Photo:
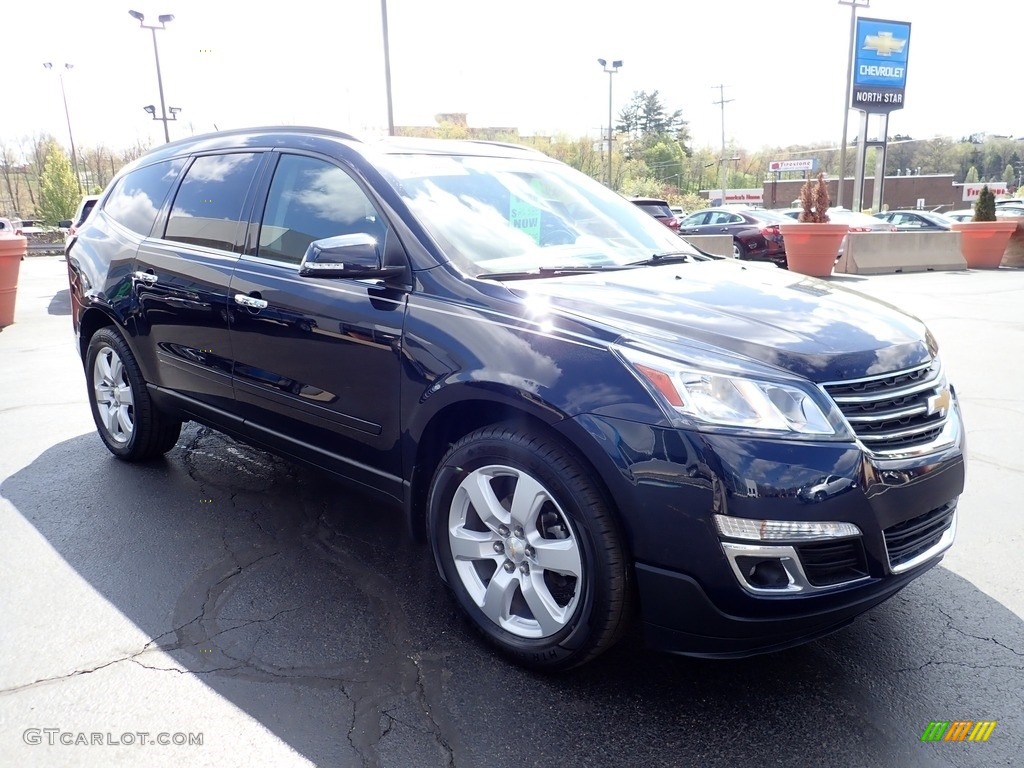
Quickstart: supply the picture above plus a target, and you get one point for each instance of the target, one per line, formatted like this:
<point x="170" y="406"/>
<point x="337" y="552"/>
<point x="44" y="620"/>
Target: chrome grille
<point x="895" y="411"/>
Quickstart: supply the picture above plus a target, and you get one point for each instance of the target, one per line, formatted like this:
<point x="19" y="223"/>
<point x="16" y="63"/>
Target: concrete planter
<point x="983" y="242"/>
<point x="811" y="249"/>
<point x="12" y="249"/>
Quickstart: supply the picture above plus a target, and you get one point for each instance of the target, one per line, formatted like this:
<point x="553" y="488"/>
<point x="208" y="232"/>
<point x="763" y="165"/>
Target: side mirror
<point x="352" y="256"/>
<point x="65" y="223"/>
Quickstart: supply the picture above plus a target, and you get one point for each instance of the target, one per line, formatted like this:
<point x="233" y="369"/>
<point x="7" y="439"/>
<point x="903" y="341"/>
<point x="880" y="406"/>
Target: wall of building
<point x="936" y="190"/>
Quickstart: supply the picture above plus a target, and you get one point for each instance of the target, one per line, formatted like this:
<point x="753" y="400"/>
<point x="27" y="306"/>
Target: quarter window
<point x="136" y="199"/>
<point x="311" y="199"/>
<point x="208" y="207"/>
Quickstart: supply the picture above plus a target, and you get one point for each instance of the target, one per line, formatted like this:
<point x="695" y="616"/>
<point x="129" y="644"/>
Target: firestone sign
<point x="971" y="191"/>
<point x="880" y="65"/>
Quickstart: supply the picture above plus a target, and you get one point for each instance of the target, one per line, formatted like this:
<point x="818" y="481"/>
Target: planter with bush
<point x="813" y="242"/>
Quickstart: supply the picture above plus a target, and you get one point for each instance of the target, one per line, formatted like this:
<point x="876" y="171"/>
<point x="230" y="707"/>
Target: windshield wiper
<point x="551" y="272"/>
<point x="668" y="257"/>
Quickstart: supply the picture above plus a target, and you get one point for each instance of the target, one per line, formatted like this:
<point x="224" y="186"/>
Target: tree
<point x="58" y="189"/>
<point x="1009" y="175"/>
<point x="972" y="175"/>
<point x="646" y="122"/>
<point x="985" y="208"/>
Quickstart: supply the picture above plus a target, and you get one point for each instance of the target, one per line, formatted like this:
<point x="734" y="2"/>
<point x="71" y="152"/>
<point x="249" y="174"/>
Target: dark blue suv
<point x="587" y="419"/>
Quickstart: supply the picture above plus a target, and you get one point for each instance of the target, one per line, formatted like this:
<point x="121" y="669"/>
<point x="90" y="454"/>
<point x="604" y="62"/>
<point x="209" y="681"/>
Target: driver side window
<point x="311" y="199"/>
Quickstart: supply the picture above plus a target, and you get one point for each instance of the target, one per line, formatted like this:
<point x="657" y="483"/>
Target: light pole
<point x="611" y="71"/>
<point x="163" y="19"/>
<point x="854" y="5"/>
<point x="387" y="65"/>
<point x="67" y="114"/>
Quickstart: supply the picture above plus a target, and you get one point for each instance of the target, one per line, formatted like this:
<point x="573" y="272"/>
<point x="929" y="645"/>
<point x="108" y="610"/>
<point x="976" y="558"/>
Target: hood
<point x="754" y="312"/>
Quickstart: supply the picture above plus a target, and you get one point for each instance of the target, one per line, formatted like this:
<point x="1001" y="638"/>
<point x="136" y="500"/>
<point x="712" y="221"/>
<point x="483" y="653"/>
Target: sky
<point x="528" y="64"/>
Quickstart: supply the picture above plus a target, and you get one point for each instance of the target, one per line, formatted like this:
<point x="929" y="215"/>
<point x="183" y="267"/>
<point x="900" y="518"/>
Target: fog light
<point x="781" y="530"/>
<point x="764" y="573"/>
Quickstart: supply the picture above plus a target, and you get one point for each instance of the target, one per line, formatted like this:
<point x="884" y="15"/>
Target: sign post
<point x="879" y="87"/>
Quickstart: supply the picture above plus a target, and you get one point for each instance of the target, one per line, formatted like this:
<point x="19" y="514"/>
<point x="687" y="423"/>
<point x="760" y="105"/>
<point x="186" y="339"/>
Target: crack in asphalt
<point x="151" y="646"/>
<point x="951" y="625"/>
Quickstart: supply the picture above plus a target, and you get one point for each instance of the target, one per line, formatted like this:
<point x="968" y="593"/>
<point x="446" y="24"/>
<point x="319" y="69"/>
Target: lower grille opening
<point x="833" y="562"/>
<point x="905" y="541"/>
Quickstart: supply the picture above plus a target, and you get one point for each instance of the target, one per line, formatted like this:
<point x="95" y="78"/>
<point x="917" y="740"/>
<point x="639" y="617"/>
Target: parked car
<point x="963" y="214"/>
<point x="916" y="221"/>
<point x="659" y="209"/>
<point x="1014" y="201"/>
<point x="678" y="212"/>
<point x="1009" y="211"/>
<point x="856" y="221"/>
<point x="582" y="415"/>
<point x="85" y="208"/>
<point x="755" y="231"/>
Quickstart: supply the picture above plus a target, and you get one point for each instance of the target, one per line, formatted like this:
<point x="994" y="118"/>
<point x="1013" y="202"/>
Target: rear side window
<point x="208" y="206"/>
<point x="656" y="209"/>
<point x="136" y="199"/>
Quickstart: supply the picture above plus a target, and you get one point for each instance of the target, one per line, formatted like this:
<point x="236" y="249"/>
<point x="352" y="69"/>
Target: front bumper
<point x="670" y="484"/>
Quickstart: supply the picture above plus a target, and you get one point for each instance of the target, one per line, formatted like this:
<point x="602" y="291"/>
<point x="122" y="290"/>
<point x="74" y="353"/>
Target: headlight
<point x="692" y="397"/>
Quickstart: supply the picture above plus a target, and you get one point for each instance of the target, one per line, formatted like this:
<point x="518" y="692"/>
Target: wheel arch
<point x="465" y="414"/>
<point x="92" y="320"/>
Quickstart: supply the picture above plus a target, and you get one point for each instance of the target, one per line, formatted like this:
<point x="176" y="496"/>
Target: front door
<point x="317" y="360"/>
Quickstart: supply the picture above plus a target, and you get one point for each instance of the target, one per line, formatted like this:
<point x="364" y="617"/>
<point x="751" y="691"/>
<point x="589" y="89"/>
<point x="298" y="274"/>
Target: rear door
<point x="317" y="360"/>
<point x="181" y="278"/>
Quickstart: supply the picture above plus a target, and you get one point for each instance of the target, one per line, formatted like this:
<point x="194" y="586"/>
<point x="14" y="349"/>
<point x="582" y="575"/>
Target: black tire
<point x="737" y="249"/>
<point x="137" y="430"/>
<point x="584" y="614"/>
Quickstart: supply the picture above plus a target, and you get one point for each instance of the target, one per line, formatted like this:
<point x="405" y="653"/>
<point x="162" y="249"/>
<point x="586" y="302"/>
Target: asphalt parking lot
<point x="227" y="597"/>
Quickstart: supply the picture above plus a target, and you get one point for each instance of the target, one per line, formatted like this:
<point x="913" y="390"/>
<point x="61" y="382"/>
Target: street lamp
<point x="611" y="71"/>
<point x="163" y="19"/>
<point x="854" y="5"/>
<point x="74" y="156"/>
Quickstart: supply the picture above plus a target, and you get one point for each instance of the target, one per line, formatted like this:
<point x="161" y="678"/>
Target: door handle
<point x="146" y="277"/>
<point x="250" y="301"/>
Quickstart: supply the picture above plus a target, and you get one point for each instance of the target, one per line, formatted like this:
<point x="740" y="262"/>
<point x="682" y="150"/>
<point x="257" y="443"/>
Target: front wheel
<point x="529" y="548"/>
<point x="127" y="420"/>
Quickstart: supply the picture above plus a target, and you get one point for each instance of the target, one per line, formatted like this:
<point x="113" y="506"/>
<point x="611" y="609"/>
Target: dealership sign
<point x="780" y="166"/>
<point x="880" y="65"/>
<point x="971" y="191"/>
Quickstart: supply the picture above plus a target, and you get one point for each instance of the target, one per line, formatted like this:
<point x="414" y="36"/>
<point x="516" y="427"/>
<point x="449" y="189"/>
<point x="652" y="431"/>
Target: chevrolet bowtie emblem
<point x="939" y="403"/>
<point x="884" y="44"/>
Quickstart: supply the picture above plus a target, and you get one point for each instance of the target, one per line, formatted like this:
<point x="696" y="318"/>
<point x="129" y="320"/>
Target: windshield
<point x="493" y="214"/>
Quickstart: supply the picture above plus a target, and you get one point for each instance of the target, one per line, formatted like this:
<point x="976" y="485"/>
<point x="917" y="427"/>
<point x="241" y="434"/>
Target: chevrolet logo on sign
<point x="939" y="402"/>
<point x="884" y="44"/>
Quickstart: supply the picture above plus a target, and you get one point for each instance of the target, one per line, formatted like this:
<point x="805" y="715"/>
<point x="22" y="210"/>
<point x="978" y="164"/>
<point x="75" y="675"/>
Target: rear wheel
<point x="127" y="420"/>
<point x="529" y="548"/>
<point x="736" y="249"/>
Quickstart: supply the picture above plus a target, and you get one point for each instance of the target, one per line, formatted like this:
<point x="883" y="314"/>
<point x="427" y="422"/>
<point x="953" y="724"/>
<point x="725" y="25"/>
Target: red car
<point x="659" y="209"/>
<point x="755" y="231"/>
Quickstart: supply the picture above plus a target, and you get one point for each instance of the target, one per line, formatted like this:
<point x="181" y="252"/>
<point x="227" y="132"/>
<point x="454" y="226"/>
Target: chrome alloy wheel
<point x="115" y="401"/>
<point x="515" y="551"/>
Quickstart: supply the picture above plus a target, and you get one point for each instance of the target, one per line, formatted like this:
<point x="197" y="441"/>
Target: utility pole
<point x="721" y="162"/>
<point x="854" y="5"/>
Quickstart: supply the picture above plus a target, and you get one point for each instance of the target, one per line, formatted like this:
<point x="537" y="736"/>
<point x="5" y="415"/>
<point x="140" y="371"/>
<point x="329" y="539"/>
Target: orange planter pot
<point x="983" y="243"/>
<point x="11" y="250"/>
<point x="811" y="249"/>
